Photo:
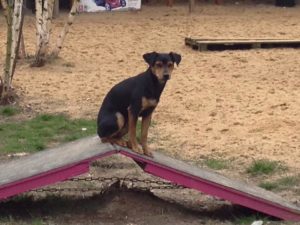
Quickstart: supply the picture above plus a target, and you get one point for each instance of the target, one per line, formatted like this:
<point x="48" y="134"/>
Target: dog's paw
<point x="122" y="143"/>
<point x="137" y="149"/>
<point x="148" y="153"/>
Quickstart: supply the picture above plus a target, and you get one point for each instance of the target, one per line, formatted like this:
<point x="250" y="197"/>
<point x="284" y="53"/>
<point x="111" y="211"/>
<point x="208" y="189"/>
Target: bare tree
<point x="44" y="14"/>
<point x="13" y="12"/>
<point x="44" y="10"/>
<point x="66" y="28"/>
<point x="22" y="51"/>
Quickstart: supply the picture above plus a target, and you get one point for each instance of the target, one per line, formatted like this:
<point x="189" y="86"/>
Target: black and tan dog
<point x="133" y="98"/>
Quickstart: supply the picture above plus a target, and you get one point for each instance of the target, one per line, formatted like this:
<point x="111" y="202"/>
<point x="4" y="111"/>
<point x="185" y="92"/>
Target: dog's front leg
<point x="132" y="120"/>
<point x="144" y="137"/>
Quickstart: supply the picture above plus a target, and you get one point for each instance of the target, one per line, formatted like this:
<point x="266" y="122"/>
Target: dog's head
<point x="162" y="64"/>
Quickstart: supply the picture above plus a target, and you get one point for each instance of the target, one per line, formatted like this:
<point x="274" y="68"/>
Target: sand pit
<point x="237" y="105"/>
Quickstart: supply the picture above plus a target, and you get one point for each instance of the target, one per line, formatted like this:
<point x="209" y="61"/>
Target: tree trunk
<point x="65" y="29"/>
<point x="44" y="10"/>
<point x="6" y="78"/>
<point x="14" y="18"/>
<point x="191" y="6"/>
<point x="4" y="4"/>
<point x="56" y="9"/>
<point x="18" y="18"/>
<point x="22" y="51"/>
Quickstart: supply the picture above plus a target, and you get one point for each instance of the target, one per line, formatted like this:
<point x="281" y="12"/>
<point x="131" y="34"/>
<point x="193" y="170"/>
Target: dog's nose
<point x="166" y="76"/>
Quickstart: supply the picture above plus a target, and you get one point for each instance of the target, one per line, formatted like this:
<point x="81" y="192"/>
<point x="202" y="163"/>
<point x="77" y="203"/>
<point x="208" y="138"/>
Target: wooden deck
<point x="239" y="44"/>
<point x="69" y="160"/>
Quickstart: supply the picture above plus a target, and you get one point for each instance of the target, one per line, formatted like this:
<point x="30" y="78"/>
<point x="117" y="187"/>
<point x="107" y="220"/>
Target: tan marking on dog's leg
<point x="119" y="136"/>
<point x="120" y="120"/>
<point x="104" y="140"/>
<point x="123" y="131"/>
<point x="144" y="137"/>
<point x="132" y="120"/>
<point x="116" y="138"/>
<point x="146" y="103"/>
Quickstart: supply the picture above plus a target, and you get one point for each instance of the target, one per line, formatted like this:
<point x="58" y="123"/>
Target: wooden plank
<point x="232" y="44"/>
<point x="218" y="185"/>
<point x="248" y="41"/>
<point x="44" y="161"/>
<point x="252" y="40"/>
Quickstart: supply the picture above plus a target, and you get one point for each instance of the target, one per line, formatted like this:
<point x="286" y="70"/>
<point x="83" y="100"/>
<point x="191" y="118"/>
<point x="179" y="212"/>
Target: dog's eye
<point x="170" y="65"/>
<point x="159" y="65"/>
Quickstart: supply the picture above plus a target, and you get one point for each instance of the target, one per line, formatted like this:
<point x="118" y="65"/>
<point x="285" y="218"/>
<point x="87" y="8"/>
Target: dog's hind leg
<point x="111" y="129"/>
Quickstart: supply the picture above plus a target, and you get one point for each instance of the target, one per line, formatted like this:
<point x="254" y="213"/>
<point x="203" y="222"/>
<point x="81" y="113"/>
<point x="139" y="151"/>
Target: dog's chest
<point x="148" y="103"/>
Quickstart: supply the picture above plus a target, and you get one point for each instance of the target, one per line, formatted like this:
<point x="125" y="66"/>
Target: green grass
<point x="282" y="183"/>
<point x="268" y="185"/>
<point x="37" y="222"/>
<point x="264" y="166"/>
<point x="248" y="220"/>
<point x="8" y="111"/>
<point x="11" y="221"/>
<point x="38" y="133"/>
<point x="216" y="164"/>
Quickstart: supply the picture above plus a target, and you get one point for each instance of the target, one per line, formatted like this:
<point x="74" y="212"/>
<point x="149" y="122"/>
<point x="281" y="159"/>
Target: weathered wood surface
<point x="224" y="44"/>
<point x="215" y="178"/>
<point x="44" y="161"/>
<point x="243" y="41"/>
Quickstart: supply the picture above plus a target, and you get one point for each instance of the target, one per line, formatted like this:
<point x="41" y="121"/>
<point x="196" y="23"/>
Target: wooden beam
<point x="229" y="44"/>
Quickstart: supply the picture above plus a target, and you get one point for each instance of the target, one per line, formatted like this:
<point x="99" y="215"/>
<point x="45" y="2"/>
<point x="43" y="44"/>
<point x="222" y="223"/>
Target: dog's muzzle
<point x="166" y="77"/>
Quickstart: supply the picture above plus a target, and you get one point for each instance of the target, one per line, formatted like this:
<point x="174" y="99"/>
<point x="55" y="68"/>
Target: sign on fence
<point x="108" y="5"/>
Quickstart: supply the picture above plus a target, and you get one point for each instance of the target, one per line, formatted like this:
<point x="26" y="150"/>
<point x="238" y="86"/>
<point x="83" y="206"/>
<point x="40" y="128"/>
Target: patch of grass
<point x="264" y="166"/>
<point x="247" y="220"/>
<point x="7" y="220"/>
<point x="268" y="185"/>
<point x="282" y="183"/>
<point x="289" y="181"/>
<point x="37" y="222"/>
<point x="38" y="133"/>
<point x="216" y="164"/>
<point x="8" y="111"/>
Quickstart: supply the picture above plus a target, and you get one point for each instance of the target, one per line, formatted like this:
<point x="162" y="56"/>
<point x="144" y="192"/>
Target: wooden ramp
<point x="239" y="44"/>
<point x="72" y="159"/>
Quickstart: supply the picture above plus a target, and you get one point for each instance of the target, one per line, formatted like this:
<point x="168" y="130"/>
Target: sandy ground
<point x="235" y="105"/>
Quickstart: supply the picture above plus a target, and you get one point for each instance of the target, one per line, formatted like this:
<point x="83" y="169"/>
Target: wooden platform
<point x="72" y="159"/>
<point x="239" y="44"/>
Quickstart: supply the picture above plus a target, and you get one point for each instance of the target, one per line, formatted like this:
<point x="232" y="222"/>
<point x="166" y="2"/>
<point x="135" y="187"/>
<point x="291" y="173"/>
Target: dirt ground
<point x="235" y="105"/>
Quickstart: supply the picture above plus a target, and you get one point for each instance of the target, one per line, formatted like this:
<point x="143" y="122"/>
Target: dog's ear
<point x="176" y="58"/>
<point x="150" y="58"/>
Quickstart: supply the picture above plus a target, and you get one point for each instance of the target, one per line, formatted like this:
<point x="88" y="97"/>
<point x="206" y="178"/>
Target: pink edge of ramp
<point x="43" y="179"/>
<point x="233" y="196"/>
<point x="49" y="177"/>
<point x="214" y="189"/>
<point x="160" y="169"/>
